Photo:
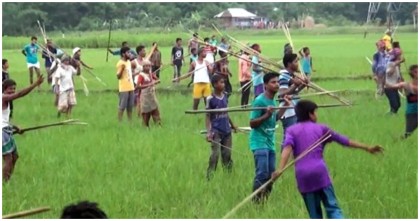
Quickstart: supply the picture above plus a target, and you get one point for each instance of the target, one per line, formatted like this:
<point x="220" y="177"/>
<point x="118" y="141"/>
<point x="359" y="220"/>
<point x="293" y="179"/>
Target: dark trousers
<point x="228" y="86"/>
<point x="394" y="100"/>
<point x="221" y="143"/>
<point x="177" y="70"/>
<point x="265" y="165"/>
<point x="411" y="123"/>
<point x="245" y="93"/>
<point x="154" y="68"/>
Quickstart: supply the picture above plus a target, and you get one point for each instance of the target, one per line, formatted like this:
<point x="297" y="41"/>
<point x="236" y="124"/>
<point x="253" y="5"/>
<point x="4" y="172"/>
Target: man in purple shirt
<point x="313" y="180"/>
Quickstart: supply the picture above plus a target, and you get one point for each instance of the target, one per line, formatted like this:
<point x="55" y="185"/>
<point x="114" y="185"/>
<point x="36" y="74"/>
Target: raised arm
<point x="23" y="92"/>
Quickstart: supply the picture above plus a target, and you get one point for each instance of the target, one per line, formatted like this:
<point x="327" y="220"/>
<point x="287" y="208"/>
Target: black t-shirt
<point x="4" y="76"/>
<point x="177" y="54"/>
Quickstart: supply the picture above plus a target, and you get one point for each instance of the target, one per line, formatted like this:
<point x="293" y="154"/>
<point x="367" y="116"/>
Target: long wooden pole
<point x="109" y="39"/>
<point x="221" y="110"/>
<point x="63" y="123"/>
<point x="26" y="213"/>
<point x="325" y="137"/>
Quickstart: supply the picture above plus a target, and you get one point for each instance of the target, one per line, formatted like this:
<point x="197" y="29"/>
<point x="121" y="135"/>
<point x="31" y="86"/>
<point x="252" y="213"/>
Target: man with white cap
<point x="76" y="60"/>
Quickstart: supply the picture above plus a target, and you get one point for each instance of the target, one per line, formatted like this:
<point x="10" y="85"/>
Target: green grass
<point x="135" y="173"/>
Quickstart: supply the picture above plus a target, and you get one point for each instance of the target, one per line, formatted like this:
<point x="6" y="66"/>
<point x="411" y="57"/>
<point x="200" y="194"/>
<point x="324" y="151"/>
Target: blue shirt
<point x="257" y="76"/>
<point x="379" y="64"/>
<point x="31" y="50"/>
<point x="263" y="137"/>
<point x="306" y="65"/>
<point x="219" y="121"/>
<point x="412" y="104"/>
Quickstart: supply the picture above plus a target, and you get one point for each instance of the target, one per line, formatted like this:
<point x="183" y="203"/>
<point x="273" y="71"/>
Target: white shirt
<point x="55" y="63"/>
<point x="209" y="58"/>
<point x="5" y="116"/>
<point x="201" y="74"/>
<point x="65" y="74"/>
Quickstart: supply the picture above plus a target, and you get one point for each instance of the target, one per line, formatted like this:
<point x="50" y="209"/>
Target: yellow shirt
<point x="125" y="83"/>
<point x="387" y="40"/>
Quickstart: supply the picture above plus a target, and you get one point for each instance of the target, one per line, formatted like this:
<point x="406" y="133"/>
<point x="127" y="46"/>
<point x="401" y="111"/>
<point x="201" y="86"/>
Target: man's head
<point x="124" y="44"/>
<point x="206" y="39"/>
<point x="195" y="35"/>
<point x="218" y="82"/>
<point x="396" y="44"/>
<point x="49" y="42"/>
<point x="305" y="110"/>
<point x="213" y="37"/>
<point x="77" y="51"/>
<point x="147" y="65"/>
<point x="222" y="54"/>
<point x="413" y="71"/>
<point x="380" y="45"/>
<point x="201" y="53"/>
<point x="178" y="42"/>
<point x="271" y="82"/>
<point x="306" y="50"/>
<point x="256" y="47"/>
<point x="290" y="62"/>
<point x="193" y="51"/>
<point x="65" y="59"/>
<point x="155" y="43"/>
<point x="125" y="52"/>
<point x="5" y="64"/>
<point x="223" y="40"/>
<point x="388" y="32"/>
<point x="287" y="49"/>
<point x="83" y="210"/>
<point x="141" y="51"/>
<point x="9" y="86"/>
<point x="34" y="40"/>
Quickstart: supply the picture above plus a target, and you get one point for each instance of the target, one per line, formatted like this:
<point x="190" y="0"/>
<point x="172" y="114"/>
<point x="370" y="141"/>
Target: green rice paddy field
<point x="133" y="172"/>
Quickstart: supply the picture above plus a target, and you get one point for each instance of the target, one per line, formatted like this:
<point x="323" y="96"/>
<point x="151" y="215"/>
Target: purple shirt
<point x="311" y="171"/>
<point x="219" y="121"/>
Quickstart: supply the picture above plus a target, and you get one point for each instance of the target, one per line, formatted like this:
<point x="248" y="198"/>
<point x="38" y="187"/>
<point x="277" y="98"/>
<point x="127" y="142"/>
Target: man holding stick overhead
<point x="9" y="148"/>
<point x="261" y="139"/>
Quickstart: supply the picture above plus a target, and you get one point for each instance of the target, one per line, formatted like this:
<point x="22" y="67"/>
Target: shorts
<point x="126" y="100"/>
<point x="201" y="90"/>
<point x="66" y="99"/>
<point x="9" y="145"/>
<point x="30" y="65"/>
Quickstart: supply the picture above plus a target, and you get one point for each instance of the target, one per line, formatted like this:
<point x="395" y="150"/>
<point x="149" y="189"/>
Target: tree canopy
<point x="21" y="18"/>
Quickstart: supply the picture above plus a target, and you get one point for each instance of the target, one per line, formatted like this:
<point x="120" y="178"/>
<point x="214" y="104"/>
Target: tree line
<point x="21" y="18"/>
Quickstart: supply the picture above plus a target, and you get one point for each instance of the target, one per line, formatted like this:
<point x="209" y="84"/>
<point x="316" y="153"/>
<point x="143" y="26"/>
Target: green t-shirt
<point x="263" y="136"/>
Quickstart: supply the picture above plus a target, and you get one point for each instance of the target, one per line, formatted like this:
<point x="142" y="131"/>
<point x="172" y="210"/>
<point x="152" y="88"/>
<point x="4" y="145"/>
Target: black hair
<point x="195" y="34"/>
<point x="303" y="108"/>
<point x="267" y="77"/>
<point x="178" y="39"/>
<point x="33" y="37"/>
<point x="288" y="58"/>
<point x="193" y="49"/>
<point x="396" y="44"/>
<point x="3" y="61"/>
<point x="139" y="48"/>
<point x="254" y="46"/>
<point x="200" y="50"/>
<point x="153" y="44"/>
<point x="216" y="78"/>
<point x="124" y="50"/>
<point x="305" y="49"/>
<point x="7" y="83"/>
<point x="412" y="68"/>
<point x="206" y="39"/>
<point x="83" y="210"/>
<point x="123" y="43"/>
<point x="221" y="53"/>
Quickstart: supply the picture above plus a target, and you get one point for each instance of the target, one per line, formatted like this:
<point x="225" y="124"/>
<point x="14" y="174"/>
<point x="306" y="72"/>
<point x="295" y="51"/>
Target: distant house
<point x="236" y="17"/>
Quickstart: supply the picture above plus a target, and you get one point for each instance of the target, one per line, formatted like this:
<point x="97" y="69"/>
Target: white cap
<point x="75" y="50"/>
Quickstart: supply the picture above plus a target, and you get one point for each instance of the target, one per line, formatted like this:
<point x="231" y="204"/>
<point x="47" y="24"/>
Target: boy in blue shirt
<point x="30" y="51"/>
<point x="261" y="139"/>
<point x="306" y="63"/>
<point x="219" y="127"/>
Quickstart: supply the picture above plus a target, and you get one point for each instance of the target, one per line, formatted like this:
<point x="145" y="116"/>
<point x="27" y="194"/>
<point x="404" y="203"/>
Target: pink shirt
<point x="244" y="68"/>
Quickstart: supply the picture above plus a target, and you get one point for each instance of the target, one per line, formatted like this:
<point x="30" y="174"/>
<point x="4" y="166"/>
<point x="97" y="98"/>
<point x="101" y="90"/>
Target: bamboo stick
<point x="26" y="213"/>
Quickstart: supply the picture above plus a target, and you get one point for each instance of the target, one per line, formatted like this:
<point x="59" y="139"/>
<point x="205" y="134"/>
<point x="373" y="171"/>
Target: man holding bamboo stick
<point x="289" y="85"/>
<point x="9" y="148"/>
<point x="313" y="180"/>
<point x="257" y="72"/>
<point x="262" y="139"/>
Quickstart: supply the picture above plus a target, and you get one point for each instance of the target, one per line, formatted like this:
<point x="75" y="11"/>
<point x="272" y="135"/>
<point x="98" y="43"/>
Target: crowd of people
<point x="138" y="73"/>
